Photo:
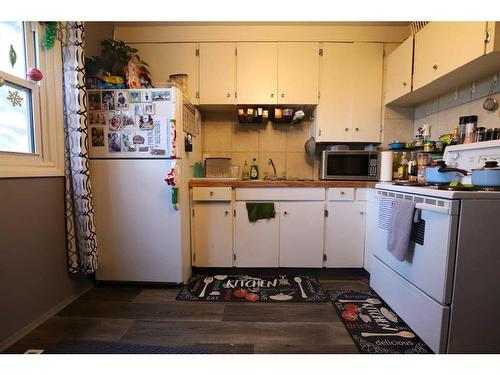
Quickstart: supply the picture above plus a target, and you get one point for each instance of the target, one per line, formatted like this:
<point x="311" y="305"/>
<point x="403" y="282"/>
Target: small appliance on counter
<point x="350" y="165"/>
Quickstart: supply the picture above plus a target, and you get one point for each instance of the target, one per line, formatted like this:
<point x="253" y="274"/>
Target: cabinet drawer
<point x="341" y="194"/>
<point x="211" y="194"/>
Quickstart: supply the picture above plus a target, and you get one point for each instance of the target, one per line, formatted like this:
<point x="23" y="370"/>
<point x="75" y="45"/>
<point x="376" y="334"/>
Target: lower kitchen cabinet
<point x="256" y="244"/>
<point x="345" y="234"/>
<point x="301" y="234"/>
<point x="212" y="234"/>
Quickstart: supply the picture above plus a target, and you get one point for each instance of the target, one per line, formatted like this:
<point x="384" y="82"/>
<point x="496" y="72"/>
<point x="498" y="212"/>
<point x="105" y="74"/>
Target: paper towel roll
<point x="386" y="165"/>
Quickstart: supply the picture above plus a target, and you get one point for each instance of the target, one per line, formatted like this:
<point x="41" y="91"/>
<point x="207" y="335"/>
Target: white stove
<point x="447" y="280"/>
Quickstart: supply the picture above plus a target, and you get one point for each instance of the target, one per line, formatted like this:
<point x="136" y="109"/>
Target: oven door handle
<point x="430" y="207"/>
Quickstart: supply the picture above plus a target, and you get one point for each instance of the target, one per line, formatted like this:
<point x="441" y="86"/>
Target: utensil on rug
<point x="298" y="280"/>
<point x="207" y="281"/>
<point x="388" y="314"/>
<point x="281" y="297"/>
<point x="405" y="334"/>
<point x="365" y="318"/>
<point x="373" y="301"/>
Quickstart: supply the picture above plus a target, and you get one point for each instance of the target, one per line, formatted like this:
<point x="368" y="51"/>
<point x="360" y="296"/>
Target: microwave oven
<point x="350" y="165"/>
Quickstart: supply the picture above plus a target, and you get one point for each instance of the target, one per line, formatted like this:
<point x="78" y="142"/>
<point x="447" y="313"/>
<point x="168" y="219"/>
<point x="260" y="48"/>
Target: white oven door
<point x="431" y="253"/>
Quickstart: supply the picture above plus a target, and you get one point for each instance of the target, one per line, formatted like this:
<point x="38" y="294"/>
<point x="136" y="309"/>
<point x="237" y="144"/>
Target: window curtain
<point x="80" y="224"/>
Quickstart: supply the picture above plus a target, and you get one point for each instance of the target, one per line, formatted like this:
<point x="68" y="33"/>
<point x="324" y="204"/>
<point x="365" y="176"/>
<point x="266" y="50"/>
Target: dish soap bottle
<point x="245" y="174"/>
<point x="254" y="170"/>
<point x="403" y="168"/>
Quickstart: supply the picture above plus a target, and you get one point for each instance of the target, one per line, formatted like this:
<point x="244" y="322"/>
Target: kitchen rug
<point x="245" y="288"/>
<point x="373" y="326"/>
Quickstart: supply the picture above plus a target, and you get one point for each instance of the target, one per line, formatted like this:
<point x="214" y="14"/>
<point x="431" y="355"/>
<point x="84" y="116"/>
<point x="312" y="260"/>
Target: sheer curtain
<point x="80" y="224"/>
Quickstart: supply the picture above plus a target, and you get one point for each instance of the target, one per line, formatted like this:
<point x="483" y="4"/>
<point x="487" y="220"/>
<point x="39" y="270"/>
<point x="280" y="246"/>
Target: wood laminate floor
<point x="152" y="316"/>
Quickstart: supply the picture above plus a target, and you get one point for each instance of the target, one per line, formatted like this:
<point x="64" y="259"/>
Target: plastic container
<point x="180" y="80"/>
<point x="470" y="129"/>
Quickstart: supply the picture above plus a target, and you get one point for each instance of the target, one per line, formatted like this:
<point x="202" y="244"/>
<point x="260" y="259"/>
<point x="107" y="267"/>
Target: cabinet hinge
<point x="197" y="52"/>
<point x="236" y="52"/>
<point x="236" y="94"/>
<point x="321" y="51"/>
<point x="234" y="213"/>
<point x="234" y="256"/>
<point x="197" y="95"/>
<point x="193" y="212"/>
<point x="194" y="257"/>
<point x="326" y="213"/>
<point x="325" y="257"/>
<point x="487" y="36"/>
<point x="319" y="94"/>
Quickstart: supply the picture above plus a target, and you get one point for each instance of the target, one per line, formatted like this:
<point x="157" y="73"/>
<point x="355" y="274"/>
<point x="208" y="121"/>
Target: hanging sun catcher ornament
<point x="12" y="55"/>
<point x="15" y="98"/>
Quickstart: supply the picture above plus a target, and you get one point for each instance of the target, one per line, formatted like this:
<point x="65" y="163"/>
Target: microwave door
<point x="347" y="166"/>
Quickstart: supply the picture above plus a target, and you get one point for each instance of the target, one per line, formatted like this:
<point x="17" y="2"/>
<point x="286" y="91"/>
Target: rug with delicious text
<point x="373" y="326"/>
<point x="246" y="288"/>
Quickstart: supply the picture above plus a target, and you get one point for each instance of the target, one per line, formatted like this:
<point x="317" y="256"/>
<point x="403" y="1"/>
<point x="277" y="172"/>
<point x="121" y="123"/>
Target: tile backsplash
<point x="443" y="112"/>
<point x="224" y="136"/>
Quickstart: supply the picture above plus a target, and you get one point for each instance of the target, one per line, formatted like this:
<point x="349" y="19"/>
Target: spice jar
<point x="461" y="129"/>
<point x="429" y="146"/>
<point x="480" y="134"/>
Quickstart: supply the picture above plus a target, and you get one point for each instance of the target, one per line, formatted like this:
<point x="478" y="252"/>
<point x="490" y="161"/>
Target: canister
<point x="470" y="129"/>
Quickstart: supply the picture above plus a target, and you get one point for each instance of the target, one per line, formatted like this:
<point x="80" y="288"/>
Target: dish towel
<point x="400" y="227"/>
<point x="258" y="211"/>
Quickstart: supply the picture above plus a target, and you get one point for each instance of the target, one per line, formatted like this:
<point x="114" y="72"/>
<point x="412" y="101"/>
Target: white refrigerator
<point x="136" y="144"/>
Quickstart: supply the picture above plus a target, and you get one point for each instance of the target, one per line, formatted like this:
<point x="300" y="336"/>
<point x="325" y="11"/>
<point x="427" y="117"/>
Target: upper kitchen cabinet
<point x="217" y="73"/>
<point x="441" y="47"/>
<point x="398" y="75"/>
<point x="257" y="73"/>
<point x="298" y="72"/>
<point x="350" y="103"/>
<point x="165" y="59"/>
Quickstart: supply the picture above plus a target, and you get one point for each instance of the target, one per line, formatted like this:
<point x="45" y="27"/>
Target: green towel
<point x="257" y="211"/>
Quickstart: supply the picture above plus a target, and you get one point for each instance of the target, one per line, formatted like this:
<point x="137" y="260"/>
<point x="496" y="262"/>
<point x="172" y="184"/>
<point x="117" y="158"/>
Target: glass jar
<point x="429" y="146"/>
<point x="480" y="134"/>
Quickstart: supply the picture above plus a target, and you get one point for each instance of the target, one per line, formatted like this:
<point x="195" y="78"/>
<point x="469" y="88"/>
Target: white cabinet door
<point x="301" y="234"/>
<point x="441" y="47"/>
<point x="368" y="61"/>
<point x="256" y="244"/>
<point x="334" y="112"/>
<point x="398" y="74"/>
<point x="165" y="59"/>
<point x="257" y="73"/>
<point x="217" y="73"/>
<point x="298" y="72"/>
<point x="345" y="234"/>
<point x="213" y="234"/>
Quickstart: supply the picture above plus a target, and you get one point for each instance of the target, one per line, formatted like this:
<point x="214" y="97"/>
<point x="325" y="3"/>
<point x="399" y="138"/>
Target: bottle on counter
<point x="245" y="174"/>
<point x="413" y="167"/>
<point x="403" y="168"/>
<point x="454" y="136"/>
<point x="395" y="165"/>
<point x="254" y="170"/>
<point x="461" y="129"/>
<point x="470" y="129"/>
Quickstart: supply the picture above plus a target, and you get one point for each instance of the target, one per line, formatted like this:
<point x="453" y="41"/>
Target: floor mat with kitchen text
<point x="373" y="326"/>
<point x="246" y="288"/>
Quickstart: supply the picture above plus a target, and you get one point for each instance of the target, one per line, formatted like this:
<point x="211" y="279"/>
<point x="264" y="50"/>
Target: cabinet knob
<point x="285" y="212"/>
<point x="404" y="84"/>
<point x="272" y="95"/>
<point x="226" y="213"/>
<point x="346" y="129"/>
<point x="361" y="213"/>
<point x="282" y="95"/>
<point x="228" y="95"/>
<point x="342" y="193"/>
<point x="357" y="129"/>
<point x="435" y="67"/>
<point x="211" y="193"/>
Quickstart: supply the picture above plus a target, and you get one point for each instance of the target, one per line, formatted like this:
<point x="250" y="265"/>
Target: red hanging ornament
<point x="34" y="74"/>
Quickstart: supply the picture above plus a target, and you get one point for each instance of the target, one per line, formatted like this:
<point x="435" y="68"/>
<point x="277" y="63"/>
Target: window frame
<point x="47" y="112"/>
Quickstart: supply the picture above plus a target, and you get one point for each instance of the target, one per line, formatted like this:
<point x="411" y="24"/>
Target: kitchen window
<point x="31" y="122"/>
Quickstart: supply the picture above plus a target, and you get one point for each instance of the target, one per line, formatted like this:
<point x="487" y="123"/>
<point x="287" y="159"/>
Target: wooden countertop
<point x="260" y="183"/>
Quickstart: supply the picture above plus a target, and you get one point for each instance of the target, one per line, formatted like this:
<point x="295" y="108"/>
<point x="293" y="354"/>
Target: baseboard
<point x="9" y="341"/>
